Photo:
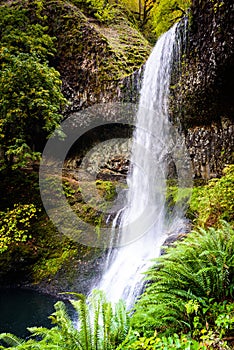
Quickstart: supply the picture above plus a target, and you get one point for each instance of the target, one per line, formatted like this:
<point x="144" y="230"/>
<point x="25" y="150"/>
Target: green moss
<point x="48" y="267"/>
<point x="55" y="252"/>
<point x="128" y="48"/>
<point x="106" y="189"/>
<point x="86" y="42"/>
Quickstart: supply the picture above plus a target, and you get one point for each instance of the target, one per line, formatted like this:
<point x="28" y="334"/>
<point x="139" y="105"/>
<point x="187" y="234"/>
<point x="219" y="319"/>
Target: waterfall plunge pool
<point x="21" y="308"/>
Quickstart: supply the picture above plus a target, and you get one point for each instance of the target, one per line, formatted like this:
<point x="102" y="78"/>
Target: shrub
<point x="106" y="189"/>
<point x="182" y="342"/>
<point x="31" y="99"/>
<point x="100" y="9"/>
<point x="16" y="224"/>
<point x="215" y="200"/>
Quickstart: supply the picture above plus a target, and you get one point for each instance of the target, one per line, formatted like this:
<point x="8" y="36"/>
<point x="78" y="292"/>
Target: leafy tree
<point x="166" y="12"/>
<point x="140" y="8"/>
<point x="102" y="10"/>
<point x="156" y="16"/>
<point x="30" y="90"/>
<point x="148" y="15"/>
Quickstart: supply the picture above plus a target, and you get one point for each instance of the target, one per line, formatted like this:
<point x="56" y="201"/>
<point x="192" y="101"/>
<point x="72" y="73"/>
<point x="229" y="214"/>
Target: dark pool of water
<point x="20" y="309"/>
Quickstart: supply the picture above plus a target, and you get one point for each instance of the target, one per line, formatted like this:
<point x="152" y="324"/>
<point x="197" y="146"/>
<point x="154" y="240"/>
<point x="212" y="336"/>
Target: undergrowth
<point x="214" y="201"/>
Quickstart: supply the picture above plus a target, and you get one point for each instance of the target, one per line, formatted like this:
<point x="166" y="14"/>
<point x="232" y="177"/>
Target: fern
<point x="101" y="326"/>
<point x="201" y="267"/>
<point x="84" y="321"/>
<point x="96" y="306"/>
<point x="106" y="315"/>
<point x="10" y="339"/>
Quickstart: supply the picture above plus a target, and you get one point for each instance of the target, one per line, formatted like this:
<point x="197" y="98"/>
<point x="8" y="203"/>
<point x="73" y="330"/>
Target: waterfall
<point x="143" y="226"/>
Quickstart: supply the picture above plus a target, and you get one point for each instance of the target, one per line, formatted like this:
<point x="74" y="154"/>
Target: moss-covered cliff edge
<point x="92" y="56"/>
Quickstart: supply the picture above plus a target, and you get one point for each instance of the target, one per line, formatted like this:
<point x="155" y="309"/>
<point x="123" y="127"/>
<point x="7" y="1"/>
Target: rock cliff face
<point x="204" y="96"/>
<point x="92" y="57"/>
<point x="97" y="62"/>
<point x="100" y="62"/>
<point x="210" y="148"/>
<point x="207" y="81"/>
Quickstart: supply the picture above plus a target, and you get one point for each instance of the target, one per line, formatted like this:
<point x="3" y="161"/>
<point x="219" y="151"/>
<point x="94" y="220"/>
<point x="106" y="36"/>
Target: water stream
<point x="143" y="226"/>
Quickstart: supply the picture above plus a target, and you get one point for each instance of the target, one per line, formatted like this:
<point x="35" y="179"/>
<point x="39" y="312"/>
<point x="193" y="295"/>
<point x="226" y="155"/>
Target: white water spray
<point x="143" y="220"/>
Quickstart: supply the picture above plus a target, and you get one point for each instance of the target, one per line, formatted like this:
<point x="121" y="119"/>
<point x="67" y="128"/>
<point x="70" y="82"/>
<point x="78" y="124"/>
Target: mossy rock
<point x="92" y="57"/>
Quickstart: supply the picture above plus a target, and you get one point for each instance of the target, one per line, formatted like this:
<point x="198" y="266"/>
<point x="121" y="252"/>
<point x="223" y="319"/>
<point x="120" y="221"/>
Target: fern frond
<point x="11" y="339"/>
<point x="84" y="328"/>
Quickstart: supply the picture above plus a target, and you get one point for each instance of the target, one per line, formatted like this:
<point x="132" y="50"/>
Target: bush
<point x="16" y="224"/>
<point x="182" y="342"/>
<point x="214" y="201"/>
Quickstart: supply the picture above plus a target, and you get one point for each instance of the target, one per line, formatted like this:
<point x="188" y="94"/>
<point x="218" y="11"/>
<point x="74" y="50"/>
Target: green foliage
<point x="182" y="342"/>
<point x="68" y="190"/>
<point x="141" y="10"/>
<point x="148" y="15"/>
<point x="10" y="339"/>
<point x="215" y="200"/>
<point x="53" y="190"/>
<point x="166" y="12"/>
<point x="16" y="225"/>
<point x="199" y="268"/>
<point x="178" y="197"/>
<point x="225" y="317"/>
<point x="106" y="189"/>
<point x="100" y="9"/>
<point x="31" y="98"/>
<point x="207" y="317"/>
<point x="101" y="327"/>
<point x="49" y="266"/>
<point x="19" y="35"/>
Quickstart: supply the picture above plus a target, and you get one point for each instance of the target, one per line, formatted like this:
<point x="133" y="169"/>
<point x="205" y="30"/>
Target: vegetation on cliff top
<point x="151" y="17"/>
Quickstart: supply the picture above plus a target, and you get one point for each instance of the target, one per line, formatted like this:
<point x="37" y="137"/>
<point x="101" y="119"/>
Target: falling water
<point x="143" y="227"/>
